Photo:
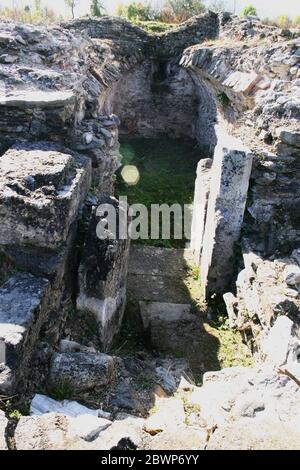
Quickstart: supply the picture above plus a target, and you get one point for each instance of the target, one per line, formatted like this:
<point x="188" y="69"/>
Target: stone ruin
<point x="65" y="94"/>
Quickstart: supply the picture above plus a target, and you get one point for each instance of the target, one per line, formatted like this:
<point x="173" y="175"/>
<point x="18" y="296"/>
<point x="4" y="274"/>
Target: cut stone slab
<point x="41" y="192"/>
<point x="153" y="261"/>
<point x="202" y="190"/>
<point x="230" y="176"/>
<point x="82" y="371"/>
<point x="38" y="98"/>
<point x="161" y="289"/>
<point x="3" y="425"/>
<point x="154" y="312"/>
<point x="157" y="275"/>
<point x="24" y="305"/>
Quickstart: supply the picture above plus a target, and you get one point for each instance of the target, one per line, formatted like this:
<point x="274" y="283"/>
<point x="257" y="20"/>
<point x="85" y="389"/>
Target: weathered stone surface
<point x="82" y="371"/>
<point x="282" y="344"/>
<point x="264" y="293"/>
<point x="180" y="438"/>
<point x="42" y="99"/>
<point x="24" y="306"/>
<point x="102" y="277"/>
<point x="155" y="274"/>
<point x="46" y="432"/>
<point x="125" y="433"/>
<point x="3" y="424"/>
<point x="169" y="416"/>
<point x="291" y="275"/>
<point x="230" y="175"/>
<point x="41" y="192"/>
<point x="155" y="261"/>
<point x="146" y="98"/>
<point x="288" y="137"/>
<point x="260" y="435"/>
<point x="247" y="396"/>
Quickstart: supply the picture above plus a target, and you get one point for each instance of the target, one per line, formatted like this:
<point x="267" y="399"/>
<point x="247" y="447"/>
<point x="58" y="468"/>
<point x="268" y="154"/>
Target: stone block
<point x="41" y="192"/>
<point x="82" y="371"/>
<point x="24" y="305"/>
<point x="288" y="137"/>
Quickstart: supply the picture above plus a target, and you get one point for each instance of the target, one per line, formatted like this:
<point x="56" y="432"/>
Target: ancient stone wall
<point x="257" y="90"/>
<point x="155" y="99"/>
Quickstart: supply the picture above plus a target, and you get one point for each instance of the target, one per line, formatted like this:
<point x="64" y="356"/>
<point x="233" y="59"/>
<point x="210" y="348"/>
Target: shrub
<point x="28" y="15"/>
<point x="249" y="10"/>
<point x="296" y="21"/>
<point x="283" y="21"/>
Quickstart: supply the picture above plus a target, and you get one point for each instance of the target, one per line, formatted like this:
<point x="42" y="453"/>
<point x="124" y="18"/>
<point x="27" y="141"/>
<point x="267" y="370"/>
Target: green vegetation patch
<point x="167" y="170"/>
<point x="154" y="27"/>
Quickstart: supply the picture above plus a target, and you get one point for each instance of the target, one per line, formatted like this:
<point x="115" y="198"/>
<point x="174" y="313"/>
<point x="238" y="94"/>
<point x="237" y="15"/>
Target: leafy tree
<point x="72" y="4"/>
<point x="97" y="8"/>
<point x="217" y="5"/>
<point x="139" y="11"/>
<point x="249" y="10"/>
<point x="185" y="9"/>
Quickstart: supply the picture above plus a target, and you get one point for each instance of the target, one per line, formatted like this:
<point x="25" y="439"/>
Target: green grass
<point x="62" y="390"/>
<point x="167" y="170"/>
<point x="154" y="27"/>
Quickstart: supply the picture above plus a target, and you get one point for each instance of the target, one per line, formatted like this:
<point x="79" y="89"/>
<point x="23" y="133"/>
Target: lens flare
<point x="130" y="175"/>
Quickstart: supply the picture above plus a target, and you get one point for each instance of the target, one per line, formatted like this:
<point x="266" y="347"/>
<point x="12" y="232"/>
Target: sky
<point x="270" y="8"/>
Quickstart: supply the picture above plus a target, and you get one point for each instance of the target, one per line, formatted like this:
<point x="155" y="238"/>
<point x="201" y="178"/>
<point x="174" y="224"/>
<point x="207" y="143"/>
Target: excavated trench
<point x="166" y="117"/>
<point x="167" y="126"/>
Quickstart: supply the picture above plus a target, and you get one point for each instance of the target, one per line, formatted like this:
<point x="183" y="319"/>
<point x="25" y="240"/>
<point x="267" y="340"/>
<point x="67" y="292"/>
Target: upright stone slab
<point x="103" y="277"/>
<point x="227" y="201"/>
<point x="25" y="302"/>
<point x="202" y="189"/>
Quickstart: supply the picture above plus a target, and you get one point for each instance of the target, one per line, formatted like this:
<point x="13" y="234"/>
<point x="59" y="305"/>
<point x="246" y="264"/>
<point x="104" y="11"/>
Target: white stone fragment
<point x="42" y="404"/>
<point x="291" y="274"/>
